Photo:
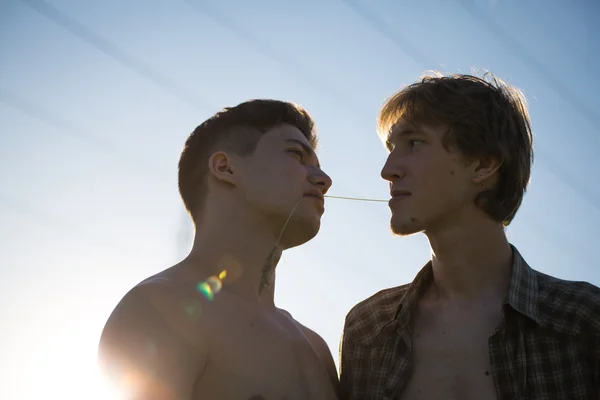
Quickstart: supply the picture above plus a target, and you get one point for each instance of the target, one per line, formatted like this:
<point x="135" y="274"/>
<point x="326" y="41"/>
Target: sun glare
<point x="68" y="380"/>
<point x="61" y="363"/>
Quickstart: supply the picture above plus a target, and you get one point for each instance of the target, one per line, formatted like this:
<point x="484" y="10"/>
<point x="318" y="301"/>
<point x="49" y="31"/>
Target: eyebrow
<point x="397" y="133"/>
<point x="306" y="148"/>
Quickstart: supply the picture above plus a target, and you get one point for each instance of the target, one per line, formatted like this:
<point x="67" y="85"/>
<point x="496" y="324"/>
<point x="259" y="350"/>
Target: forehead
<point x="284" y="133"/>
<point x="403" y="128"/>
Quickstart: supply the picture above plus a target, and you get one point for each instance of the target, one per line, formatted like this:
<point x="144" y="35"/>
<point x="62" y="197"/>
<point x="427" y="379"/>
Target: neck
<point x="471" y="261"/>
<point x="234" y="242"/>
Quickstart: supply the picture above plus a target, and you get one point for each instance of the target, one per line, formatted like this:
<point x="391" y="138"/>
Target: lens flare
<point x="230" y="267"/>
<point x="212" y="285"/>
<point x="192" y="310"/>
<point x="215" y="284"/>
<point x="205" y="289"/>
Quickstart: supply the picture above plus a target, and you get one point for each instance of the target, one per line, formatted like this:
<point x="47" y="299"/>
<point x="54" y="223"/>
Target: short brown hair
<point x="236" y="129"/>
<point x="485" y="117"/>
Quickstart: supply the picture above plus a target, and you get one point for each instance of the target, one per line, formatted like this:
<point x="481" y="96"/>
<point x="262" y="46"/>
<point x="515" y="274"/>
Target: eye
<point x="297" y="152"/>
<point x="414" y="142"/>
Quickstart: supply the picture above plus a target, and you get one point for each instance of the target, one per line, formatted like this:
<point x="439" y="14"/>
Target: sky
<point x="98" y="97"/>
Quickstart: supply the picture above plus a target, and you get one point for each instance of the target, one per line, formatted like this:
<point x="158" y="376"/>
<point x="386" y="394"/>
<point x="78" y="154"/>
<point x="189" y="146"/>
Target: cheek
<point x="293" y="170"/>
<point x="263" y="179"/>
<point x="443" y="181"/>
<point x="277" y="168"/>
<point x="286" y="176"/>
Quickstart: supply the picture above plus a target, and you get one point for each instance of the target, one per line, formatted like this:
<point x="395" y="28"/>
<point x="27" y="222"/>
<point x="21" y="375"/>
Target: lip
<point x="398" y="195"/>
<point x="318" y="197"/>
<point x="396" y="199"/>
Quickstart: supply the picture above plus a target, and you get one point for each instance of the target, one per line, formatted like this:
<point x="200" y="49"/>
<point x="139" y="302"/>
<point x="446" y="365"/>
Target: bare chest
<point x="254" y="356"/>
<point x="451" y="357"/>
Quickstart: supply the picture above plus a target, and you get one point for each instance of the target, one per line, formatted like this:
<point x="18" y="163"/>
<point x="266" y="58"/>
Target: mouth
<point x="317" y="197"/>
<point x="399" y="195"/>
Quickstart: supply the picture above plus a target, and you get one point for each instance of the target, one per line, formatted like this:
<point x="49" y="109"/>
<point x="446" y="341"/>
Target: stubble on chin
<point x="406" y="227"/>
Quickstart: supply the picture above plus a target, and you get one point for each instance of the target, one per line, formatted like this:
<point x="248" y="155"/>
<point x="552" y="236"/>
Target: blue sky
<point x="97" y="98"/>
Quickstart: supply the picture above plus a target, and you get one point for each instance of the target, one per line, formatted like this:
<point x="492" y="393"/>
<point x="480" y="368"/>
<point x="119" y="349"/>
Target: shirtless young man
<point x="477" y="322"/>
<point x="207" y="328"/>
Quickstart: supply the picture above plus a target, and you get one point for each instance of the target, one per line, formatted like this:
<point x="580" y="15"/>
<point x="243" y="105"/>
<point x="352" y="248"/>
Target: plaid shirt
<point x="547" y="347"/>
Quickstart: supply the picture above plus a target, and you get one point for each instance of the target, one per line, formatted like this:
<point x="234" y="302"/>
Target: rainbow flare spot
<point x="212" y="285"/>
<point x="215" y="284"/>
<point x="204" y="288"/>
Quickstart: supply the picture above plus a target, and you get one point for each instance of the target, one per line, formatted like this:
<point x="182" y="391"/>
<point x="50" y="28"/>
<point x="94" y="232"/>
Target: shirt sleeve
<point x="345" y="362"/>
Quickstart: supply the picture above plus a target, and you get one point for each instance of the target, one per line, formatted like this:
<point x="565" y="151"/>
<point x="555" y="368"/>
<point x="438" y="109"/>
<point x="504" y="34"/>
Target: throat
<point x="476" y="280"/>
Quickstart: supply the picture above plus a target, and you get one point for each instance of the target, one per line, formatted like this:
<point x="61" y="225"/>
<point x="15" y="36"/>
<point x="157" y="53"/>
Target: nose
<point x="321" y="180"/>
<point x="392" y="170"/>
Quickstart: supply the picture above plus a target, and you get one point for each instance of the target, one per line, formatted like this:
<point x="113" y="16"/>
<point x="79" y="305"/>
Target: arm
<point x="149" y="348"/>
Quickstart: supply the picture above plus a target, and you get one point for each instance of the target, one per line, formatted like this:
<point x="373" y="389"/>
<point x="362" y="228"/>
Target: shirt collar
<point x="522" y="293"/>
<point x="523" y="289"/>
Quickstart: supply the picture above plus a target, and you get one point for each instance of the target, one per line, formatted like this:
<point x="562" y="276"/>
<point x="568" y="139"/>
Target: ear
<point x="220" y="165"/>
<point x="485" y="169"/>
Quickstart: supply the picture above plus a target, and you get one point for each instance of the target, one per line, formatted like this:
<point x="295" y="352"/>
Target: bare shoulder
<point x="153" y="344"/>
<point x="321" y="348"/>
<point x="313" y="337"/>
<point x="317" y="342"/>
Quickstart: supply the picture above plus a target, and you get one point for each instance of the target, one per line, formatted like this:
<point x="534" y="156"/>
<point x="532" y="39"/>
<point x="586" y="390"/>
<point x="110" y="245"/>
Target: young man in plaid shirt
<point x="476" y="322"/>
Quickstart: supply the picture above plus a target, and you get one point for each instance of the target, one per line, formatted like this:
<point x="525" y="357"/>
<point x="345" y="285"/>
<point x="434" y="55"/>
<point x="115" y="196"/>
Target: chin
<point x="299" y="231"/>
<point x="404" y="231"/>
<point x="404" y="227"/>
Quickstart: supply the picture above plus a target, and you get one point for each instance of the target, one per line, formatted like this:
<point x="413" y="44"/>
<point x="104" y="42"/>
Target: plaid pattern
<point x="547" y="347"/>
